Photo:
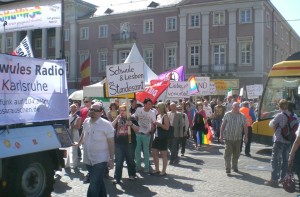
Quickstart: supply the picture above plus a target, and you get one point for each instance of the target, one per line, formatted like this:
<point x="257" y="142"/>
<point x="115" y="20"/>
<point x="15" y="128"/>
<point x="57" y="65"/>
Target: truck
<point x="283" y="83"/>
<point x="33" y="124"/>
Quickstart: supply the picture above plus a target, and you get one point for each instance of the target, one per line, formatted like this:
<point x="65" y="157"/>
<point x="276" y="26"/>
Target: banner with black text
<point x="32" y="90"/>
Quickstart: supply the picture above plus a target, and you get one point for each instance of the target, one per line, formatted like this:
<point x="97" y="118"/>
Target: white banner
<point x="125" y="78"/>
<point x="212" y="89"/>
<point x="178" y="89"/>
<point x="203" y="86"/>
<point x="24" y="49"/>
<point x="28" y="15"/>
<point x="32" y="90"/>
<point x="254" y="91"/>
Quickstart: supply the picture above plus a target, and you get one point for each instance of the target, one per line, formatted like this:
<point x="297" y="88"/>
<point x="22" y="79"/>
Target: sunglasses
<point x="87" y="101"/>
<point x="95" y="110"/>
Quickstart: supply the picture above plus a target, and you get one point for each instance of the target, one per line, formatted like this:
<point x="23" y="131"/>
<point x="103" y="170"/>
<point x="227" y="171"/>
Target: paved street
<point x="199" y="173"/>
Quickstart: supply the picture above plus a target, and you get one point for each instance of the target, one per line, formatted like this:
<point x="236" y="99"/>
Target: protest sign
<point x="254" y="91"/>
<point x="203" y="85"/>
<point x="125" y="78"/>
<point x="178" y="89"/>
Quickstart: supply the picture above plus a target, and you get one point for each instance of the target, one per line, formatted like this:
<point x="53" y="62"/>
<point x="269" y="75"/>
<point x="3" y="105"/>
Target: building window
<point x="83" y="57"/>
<point x="171" y="24"/>
<point x="148" y="57"/>
<point x="194" y="55"/>
<point x="67" y="58"/>
<point x="67" y="34"/>
<point x="9" y="42"/>
<point x="268" y="20"/>
<point x="287" y="38"/>
<point x="281" y="32"/>
<point x="52" y="42"/>
<point x="170" y="57"/>
<point x="219" y="18"/>
<point x="102" y="61"/>
<point x="195" y="20"/>
<point x="275" y="54"/>
<point x="84" y="33"/>
<point x="246" y="16"/>
<point x="275" y="27"/>
<point x="103" y="31"/>
<point x="38" y="43"/>
<point x="268" y="56"/>
<point x="148" y="26"/>
<point x="219" y="52"/>
<point x="123" y="55"/>
<point x="245" y="53"/>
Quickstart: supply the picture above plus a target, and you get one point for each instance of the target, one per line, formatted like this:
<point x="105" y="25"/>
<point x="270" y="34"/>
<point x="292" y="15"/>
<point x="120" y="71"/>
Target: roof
<point x="110" y="7"/>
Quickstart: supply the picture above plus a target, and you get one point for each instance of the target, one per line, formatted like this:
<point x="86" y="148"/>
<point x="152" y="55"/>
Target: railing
<point x="220" y="68"/>
<point x="124" y="37"/>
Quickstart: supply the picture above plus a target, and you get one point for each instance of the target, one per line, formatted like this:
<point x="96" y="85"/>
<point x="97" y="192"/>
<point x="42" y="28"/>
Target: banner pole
<point x="128" y="118"/>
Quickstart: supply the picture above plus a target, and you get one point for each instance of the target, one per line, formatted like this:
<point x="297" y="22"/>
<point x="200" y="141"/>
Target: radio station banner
<point x="125" y="78"/>
<point x="28" y="15"/>
<point x="178" y="89"/>
<point x="32" y="90"/>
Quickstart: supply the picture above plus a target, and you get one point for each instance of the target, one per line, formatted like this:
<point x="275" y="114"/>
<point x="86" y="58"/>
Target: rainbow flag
<point x="207" y="138"/>
<point x="85" y="71"/>
<point x="193" y="87"/>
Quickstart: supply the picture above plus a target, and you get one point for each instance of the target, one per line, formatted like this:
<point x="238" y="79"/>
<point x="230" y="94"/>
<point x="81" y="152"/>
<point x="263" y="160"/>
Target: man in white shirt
<point x="98" y="148"/>
<point x="145" y="117"/>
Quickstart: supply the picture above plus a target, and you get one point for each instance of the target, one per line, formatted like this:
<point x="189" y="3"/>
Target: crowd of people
<point x="161" y="130"/>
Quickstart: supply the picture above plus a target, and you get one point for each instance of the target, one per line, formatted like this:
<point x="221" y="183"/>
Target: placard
<point x="125" y="78"/>
<point x="178" y="89"/>
<point x="254" y="91"/>
<point x="203" y="84"/>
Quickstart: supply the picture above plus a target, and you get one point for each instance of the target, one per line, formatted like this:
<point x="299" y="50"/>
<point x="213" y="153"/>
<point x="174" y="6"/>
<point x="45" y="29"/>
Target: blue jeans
<point x="217" y="126"/>
<point x="97" y="186"/>
<point x="124" y="151"/>
<point x="279" y="161"/>
<point x="142" y="140"/>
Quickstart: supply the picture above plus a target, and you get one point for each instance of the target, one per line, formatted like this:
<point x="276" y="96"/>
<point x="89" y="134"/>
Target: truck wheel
<point x="32" y="177"/>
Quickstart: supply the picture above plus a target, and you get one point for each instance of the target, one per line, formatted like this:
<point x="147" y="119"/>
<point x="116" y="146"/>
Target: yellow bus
<point x="283" y="83"/>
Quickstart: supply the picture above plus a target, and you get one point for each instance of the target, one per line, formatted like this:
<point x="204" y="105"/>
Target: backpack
<point x="288" y="132"/>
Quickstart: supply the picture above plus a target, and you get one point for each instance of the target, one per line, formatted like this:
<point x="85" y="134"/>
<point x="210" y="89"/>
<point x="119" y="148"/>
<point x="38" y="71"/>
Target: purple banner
<point x="176" y="74"/>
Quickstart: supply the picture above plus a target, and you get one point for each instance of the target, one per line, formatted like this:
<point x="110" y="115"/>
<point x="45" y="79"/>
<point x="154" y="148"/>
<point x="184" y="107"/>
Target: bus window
<point x="279" y="88"/>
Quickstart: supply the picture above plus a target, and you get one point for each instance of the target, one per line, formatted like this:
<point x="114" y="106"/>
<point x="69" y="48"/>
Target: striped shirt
<point x="234" y="125"/>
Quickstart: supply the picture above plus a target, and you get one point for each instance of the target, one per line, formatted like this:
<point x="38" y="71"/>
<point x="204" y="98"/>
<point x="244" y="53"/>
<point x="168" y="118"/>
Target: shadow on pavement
<point x="60" y="187"/>
<point x="248" y="177"/>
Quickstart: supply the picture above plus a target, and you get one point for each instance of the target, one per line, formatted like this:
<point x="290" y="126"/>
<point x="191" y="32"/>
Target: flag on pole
<point x="193" y="87"/>
<point x="85" y="71"/>
<point x="176" y="74"/>
<point x="229" y="92"/>
<point x="239" y="98"/>
<point x="24" y="49"/>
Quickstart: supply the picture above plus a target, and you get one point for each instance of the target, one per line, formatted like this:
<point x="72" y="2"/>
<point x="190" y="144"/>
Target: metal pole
<point x="4" y="37"/>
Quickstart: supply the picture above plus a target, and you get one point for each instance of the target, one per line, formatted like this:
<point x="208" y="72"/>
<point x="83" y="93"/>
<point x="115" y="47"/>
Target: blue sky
<point x="290" y="10"/>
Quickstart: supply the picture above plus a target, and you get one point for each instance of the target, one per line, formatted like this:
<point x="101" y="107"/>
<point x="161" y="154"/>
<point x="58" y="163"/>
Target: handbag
<point x="288" y="182"/>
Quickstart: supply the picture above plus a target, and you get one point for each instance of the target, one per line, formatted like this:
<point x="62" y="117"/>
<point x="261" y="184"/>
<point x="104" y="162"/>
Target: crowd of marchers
<point x="110" y="137"/>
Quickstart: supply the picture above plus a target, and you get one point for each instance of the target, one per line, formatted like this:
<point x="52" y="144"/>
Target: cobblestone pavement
<point x="200" y="173"/>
